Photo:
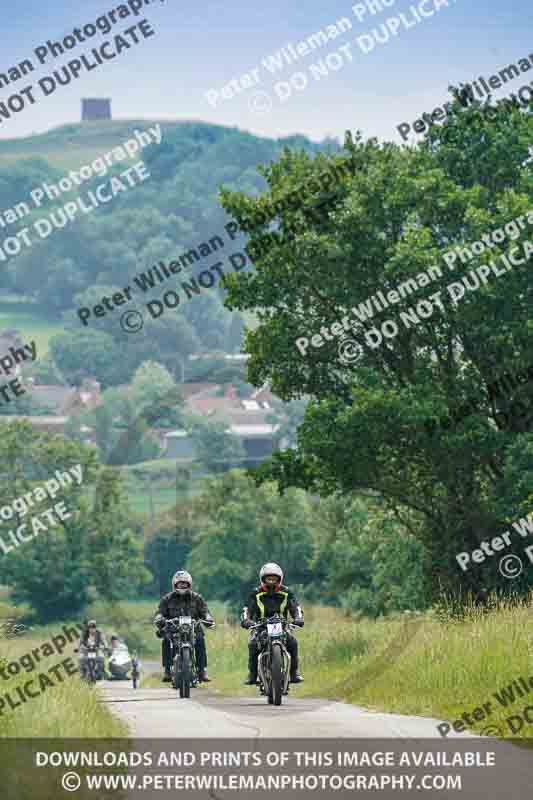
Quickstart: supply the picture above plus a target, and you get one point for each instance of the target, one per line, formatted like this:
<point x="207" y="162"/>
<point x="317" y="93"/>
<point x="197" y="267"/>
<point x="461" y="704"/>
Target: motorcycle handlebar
<point x="208" y="623"/>
<point x="261" y="624"/>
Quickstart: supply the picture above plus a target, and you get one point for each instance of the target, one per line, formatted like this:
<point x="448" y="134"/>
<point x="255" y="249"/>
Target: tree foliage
<point x="364" y="428"/>
<point x="50" y="572"/>
<point x="217" y="448"/>
<point x="240" y="528"/>
<point x="117" y="569"/>
<point x="93" y="551"/>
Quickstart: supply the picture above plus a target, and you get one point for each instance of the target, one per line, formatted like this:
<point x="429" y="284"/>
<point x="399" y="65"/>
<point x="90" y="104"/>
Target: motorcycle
<point x="92" y="672"/>
<point x="182" y="633"/>
<point x="274" y="662"/>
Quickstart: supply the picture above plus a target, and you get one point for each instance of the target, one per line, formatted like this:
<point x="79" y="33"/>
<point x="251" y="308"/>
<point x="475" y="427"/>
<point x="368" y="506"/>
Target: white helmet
<point x="271" y="569"/>
<point x="181" y="576"/>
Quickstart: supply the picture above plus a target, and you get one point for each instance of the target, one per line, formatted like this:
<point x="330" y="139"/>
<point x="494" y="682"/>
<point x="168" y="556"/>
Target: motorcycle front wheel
<point x="186" y="673"/>
<point x="176" y="677"/>
<point x="276" y="676"/>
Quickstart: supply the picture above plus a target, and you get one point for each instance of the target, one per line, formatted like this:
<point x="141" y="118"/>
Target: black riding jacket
<point x="184" y="605"/>
<point x="100" y="640"/>
<point x="263" y="603"/>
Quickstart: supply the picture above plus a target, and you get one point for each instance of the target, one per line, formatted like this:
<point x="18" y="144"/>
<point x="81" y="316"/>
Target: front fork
<point x="263" y="670"/>
<point x="194" y="672"/>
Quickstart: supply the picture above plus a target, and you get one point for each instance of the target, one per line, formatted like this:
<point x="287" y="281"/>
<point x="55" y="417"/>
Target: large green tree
<point x="365" y="428"/>
<point x="50" y="572"/>
<point x="365" y="559"/>
<point x="117" y="569"/>
<point x="156" y="396"/>
<point x="218" y="449"/>
<point x="93" y="551"/>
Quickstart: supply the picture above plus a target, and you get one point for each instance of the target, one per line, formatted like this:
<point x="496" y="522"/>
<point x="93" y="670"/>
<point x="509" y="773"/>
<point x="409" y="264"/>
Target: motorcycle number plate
<point x="91" y="655"/>
<point x="185" y="620"/>
<point x="275" y="629"/>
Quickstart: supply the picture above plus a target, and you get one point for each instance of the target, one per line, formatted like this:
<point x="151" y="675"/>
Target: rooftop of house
<point x="67" y="399"/>
<point x="195" y="389"/>
<point x="260" y="430"/>
<point x="254" y="431"/>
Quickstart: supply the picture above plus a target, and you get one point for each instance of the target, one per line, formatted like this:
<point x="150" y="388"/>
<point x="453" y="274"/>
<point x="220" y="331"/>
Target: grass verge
<point x="408" y="665"/>
<point x="64" y="706"/>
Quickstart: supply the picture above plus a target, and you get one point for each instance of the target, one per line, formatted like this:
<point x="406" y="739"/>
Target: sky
<point x="201" y="47"/>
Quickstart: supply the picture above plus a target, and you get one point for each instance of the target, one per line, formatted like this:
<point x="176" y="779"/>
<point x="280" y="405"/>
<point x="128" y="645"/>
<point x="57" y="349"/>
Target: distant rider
<point x="92" y="637"/>
<point x="183" y="602"/>
<point x="270" y="598"/>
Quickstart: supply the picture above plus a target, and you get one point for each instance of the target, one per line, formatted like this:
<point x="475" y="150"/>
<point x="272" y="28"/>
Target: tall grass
<point x="68" y="708"/>
<point x="437" y="664"/>
<point x="429" y="665"/>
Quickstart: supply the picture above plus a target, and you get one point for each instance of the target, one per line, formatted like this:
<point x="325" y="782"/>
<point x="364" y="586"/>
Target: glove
<point x="299" y="621"/>
<point x="246" y="623"/>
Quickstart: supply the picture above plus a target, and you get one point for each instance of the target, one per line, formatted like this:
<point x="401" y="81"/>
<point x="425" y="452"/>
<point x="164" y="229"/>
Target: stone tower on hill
<point x="95" y="109"/>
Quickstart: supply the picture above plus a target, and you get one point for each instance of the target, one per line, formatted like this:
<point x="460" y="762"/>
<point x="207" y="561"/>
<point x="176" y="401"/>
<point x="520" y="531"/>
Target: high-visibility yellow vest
<point x="261" y="606"/>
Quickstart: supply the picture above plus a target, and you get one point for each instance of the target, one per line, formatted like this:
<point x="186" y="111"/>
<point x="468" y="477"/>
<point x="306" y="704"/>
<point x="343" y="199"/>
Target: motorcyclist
<point x="270" y="598"/>
<point x="180" y="602"/>
<point x="92" y="637"/>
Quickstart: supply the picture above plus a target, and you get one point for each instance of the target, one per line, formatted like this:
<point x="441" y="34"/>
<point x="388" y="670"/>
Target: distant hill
<point x="174" y="210"/>
<point x="176" y="207"/>
<point x="69" y="146"/>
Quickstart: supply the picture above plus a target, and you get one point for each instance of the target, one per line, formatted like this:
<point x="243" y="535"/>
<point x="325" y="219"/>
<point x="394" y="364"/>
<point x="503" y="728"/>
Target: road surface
<point x="249" y="723"/>
<point x="156" y="713"/>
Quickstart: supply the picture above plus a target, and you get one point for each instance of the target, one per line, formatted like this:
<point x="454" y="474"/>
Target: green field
<point x="30" y="322"/>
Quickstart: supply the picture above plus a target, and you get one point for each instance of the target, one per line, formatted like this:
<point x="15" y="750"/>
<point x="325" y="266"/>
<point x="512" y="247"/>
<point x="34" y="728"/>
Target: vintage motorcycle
<point x="274" y="662"/>
<point x="182" y="633"/>
<point x="92" y="672"/>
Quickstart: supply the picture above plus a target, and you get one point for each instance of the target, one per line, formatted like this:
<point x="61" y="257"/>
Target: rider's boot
<point x="203" y="677"/>
<point x="167" y="677"/>
<point x="295" y="676"/>
<point x="251" y="680"/>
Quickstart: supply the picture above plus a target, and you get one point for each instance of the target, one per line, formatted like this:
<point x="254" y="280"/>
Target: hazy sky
<point x="202" y="46"/>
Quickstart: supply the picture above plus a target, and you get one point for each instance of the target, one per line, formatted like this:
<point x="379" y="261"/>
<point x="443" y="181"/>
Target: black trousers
<point x="253" y="653"/>
<point x="200" y="651"/>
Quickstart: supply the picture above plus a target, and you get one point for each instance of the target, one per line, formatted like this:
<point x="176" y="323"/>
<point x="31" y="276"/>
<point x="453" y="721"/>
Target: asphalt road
<point x="252" y="724"/>
<point x="161" y="713"/>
